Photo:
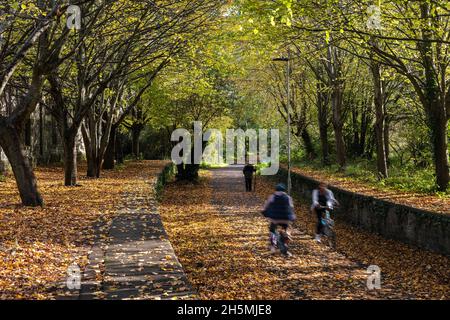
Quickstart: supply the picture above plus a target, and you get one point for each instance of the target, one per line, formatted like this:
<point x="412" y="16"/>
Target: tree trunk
<point x="12" y="145"/>
<point x="439" y="139"/>
<point x="27" y="133"/>
<point x="438" y="124"/>
<point x="356" y="143"/>
<point x="99" y="166"/>
<point x="91" y="158"/>
<point x="386" y="139"/>
<point x="180" y="172"/>
<point x="70" y="159"/>
<point x="92" y="171"/>
<point x="119" y="148"/>
<point x="365" y="122"/>
<point x="434" y="106"/>
<point x="136" y="133"/>
<point x="189" y="172"/>
<point x="322" y="117"/>
<point x="337" y="92"/>
<point x="382" y="170"/>
<point x="41" y="133"/>
<point x="370" y="145"/>
<point x="324" y="145"/>
<point x="11" y="127"/>
<point x="308" y="144"/>
<point x="108" y="161"/>
<point x="192" y="172"/>
<point x="336" y="101"/>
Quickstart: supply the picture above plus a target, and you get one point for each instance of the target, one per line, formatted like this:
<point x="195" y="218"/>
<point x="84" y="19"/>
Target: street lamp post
<point x="288" y="109"/>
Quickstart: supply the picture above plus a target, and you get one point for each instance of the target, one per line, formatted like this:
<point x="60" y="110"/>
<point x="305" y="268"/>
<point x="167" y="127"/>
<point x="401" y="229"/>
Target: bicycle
<point x="280" y="240"/>
<point x="328" y="227"/>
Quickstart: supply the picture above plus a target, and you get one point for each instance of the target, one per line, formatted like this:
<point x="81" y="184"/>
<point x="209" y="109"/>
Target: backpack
<point x="279" y="208"/>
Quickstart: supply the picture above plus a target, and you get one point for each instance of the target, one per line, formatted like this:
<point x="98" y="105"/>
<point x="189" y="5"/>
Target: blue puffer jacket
<point x="279" y="207"/>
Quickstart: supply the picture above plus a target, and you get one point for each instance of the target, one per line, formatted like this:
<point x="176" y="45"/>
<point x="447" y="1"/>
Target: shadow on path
<point x="132" y="257"/>
<point x="314" y="272"/>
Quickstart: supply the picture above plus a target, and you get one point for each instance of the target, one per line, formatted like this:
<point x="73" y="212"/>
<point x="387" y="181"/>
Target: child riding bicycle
<point x="279" y="210"/>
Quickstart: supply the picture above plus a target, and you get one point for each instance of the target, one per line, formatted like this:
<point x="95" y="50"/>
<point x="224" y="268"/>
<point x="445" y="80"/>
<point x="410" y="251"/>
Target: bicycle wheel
<point x="332" y="239"/>
<point x="274" y="239"/>
<point x="282" y="244"/>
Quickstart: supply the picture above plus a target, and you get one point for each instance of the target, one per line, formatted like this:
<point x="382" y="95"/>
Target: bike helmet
<point x="280" y="187"/>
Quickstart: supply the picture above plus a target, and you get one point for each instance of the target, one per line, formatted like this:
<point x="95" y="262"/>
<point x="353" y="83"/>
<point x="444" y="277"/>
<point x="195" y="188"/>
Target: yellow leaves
<point x="272" y="21"/>
<point x="38" y="244"/>
<point x="220" y="240"/>
<point x="218" y="264"/>
<point x="29" y="7"/>
<point x="406" y="271"/>
<point x="327" y="36"/>
<point x="288" y="22"/>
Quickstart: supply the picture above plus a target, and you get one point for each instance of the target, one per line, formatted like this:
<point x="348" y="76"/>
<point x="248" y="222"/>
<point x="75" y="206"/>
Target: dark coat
<point x="248" y="170"/>
<point x="279" y="208"/>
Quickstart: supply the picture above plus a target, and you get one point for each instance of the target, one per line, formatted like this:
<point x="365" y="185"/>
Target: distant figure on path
<point x="248" y="171"/>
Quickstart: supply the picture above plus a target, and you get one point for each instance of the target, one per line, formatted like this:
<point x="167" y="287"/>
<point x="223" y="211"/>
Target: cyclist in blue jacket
<point x="279" y="209"/>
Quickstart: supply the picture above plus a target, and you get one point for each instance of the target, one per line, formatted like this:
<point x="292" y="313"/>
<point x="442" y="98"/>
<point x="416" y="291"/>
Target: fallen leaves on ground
<point x="38" y="244"/>
<point x="410" y="271"/>
<point x="217" y="262"/>
<point x="221" y="240"/>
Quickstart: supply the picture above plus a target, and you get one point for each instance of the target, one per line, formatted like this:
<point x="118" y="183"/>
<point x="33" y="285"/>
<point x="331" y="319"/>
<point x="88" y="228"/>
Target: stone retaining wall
<point x="428" y="230"/>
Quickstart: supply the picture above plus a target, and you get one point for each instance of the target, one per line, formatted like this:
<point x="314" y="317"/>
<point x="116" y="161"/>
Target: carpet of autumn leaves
<point x="416" y="273"/>
<point x="218" y="235"/>
<point x="220" y="238"/>
<point x="221" y="241"/>
<point x="423" y="201"/>
<point x="217" y="264"/>
<point x="38" y="244"/>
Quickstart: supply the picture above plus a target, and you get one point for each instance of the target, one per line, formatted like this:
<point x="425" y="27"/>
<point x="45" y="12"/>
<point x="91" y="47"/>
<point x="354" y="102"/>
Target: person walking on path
<point x="248" y="171"/>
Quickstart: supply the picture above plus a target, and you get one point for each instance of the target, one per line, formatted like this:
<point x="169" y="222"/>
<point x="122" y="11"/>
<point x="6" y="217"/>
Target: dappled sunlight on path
<point x="221" y="239"/>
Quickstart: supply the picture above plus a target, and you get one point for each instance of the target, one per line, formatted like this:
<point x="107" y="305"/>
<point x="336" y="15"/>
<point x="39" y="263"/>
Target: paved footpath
<point x="132" y="257"/>
<point x="314" y="272"/>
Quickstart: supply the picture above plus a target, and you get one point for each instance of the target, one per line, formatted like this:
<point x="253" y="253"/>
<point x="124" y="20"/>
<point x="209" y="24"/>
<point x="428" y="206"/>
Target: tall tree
<point x="33" y="39"/>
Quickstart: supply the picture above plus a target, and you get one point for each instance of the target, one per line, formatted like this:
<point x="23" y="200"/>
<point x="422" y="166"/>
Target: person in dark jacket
<point x="279" y="209"/>
<point x="248" y="171"/>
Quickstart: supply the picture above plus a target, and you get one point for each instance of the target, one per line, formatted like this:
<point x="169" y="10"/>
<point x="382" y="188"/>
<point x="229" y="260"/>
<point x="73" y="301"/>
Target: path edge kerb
<point x="154" y="189"/>
<point x="163" y="177"/>
<point x="168" y="172"/>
